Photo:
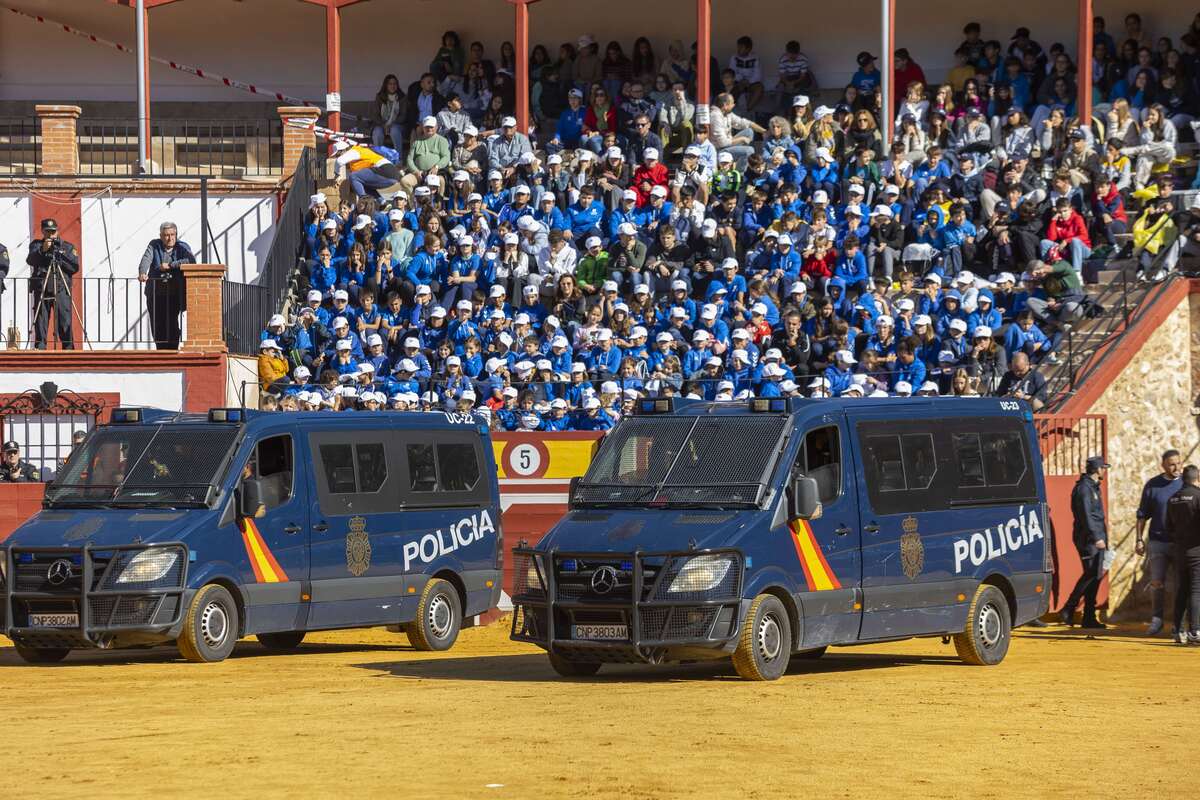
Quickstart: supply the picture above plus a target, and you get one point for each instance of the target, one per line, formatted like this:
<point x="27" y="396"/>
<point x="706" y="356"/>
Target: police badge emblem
<point x="358" y="547"/>
<point x="912" y="551"/>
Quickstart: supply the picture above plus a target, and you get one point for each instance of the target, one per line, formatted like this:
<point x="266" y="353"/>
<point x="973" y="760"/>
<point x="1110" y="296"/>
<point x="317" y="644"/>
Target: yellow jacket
<point x="1153" y="236"/>
<point x="270" y="369"/>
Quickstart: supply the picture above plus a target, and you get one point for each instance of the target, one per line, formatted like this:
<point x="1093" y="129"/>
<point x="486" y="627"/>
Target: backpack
<point x="387" y="152"/>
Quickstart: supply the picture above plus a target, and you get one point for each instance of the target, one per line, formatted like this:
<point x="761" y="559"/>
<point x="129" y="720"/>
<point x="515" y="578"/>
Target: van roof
<point x="921" y="406"/>
<point x="260" y="420"/>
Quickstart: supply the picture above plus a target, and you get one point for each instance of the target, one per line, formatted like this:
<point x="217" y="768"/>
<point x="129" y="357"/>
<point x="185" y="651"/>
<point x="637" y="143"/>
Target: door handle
<point x="320" y="527"/>
<point x="842" y="531"/>
<point x="872" y="528"/>
<point x="292" y="529"/>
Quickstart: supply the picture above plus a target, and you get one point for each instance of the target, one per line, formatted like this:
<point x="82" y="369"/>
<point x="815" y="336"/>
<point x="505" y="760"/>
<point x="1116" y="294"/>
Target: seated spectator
<point x="387" y="114"/>
<point x="730" y="133"/>
<point x="1023" y="382"/>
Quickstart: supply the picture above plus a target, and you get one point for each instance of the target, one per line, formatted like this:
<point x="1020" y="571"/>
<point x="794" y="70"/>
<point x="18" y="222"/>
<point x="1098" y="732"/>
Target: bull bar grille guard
<point x="91" y="588"/>
<point x="640" y="600"/>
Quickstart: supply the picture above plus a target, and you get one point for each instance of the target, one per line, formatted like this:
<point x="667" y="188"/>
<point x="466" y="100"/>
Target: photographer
<point x="166" y="291"/>
<point x="52" y="262"/>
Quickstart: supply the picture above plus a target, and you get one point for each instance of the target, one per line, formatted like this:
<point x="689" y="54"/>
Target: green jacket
<point x="424" y="154"/>
<point x="592" y="271"/>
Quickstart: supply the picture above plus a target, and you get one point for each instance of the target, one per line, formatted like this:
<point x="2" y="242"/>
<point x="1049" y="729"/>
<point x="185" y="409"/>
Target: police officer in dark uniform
<point x="15" y="470"/>
<point x="1090" y="533"/>
<point x="1183" y="523"/>
<point x="52" y="262"/>
<point x="166" y="294"/>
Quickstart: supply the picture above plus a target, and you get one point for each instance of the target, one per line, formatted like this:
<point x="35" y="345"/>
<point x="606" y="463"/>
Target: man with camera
<point x="52" y="262"/>
<point x="166" y="292"/>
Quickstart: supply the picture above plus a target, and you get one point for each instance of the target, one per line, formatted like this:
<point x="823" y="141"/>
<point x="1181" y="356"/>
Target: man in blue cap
<point x="1090" y="534"/>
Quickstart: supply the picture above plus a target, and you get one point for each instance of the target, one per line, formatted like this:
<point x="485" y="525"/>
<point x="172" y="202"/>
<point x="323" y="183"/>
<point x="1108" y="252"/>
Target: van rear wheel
<point x="573" y="669"/>
<point x="765" y="645"/>
<point x="984" y="642"/>
<point x="287" y="640"/>
<point x="210" y="627"/>
<point x="41" y="655"/>
<point x="439" y="617"/>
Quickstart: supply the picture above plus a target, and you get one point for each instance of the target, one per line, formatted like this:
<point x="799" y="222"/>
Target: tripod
<point x="45" y="302"/>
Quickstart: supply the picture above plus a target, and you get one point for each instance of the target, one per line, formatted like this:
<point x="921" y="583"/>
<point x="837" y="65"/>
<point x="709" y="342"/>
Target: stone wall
<point x="1149" y="406"/>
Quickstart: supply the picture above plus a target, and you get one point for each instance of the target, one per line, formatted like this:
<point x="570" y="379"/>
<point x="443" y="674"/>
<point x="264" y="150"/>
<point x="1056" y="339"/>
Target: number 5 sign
<point x="525" y="459"/>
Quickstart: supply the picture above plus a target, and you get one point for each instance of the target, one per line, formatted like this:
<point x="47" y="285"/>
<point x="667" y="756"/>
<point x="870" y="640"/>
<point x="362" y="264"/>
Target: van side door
<point x="276" y="543"/>
<point x="357" y="513"/>
<point x="828" y="547"/>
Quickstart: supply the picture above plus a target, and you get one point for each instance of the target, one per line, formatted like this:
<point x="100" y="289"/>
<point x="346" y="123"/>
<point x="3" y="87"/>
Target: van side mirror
<point x="806" y="499"/>
<point x="571" y="490"/>
<point x="250" y="502"/>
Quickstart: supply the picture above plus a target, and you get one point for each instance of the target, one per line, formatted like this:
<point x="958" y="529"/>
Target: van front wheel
<point x="984" y="641"/>
<point x="765" y="645"/>
<point x="210" y="628"/>
<point x="439" y="617"/>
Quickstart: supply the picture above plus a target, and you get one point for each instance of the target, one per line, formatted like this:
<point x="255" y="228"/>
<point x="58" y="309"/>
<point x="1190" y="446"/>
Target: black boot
<point x="1091" y="623"/>
<point x="1067" y="616"/>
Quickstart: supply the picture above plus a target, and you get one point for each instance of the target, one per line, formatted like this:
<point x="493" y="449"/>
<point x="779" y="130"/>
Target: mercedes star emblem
<point x="59" y="572"/>
<point x="604" y="580"/>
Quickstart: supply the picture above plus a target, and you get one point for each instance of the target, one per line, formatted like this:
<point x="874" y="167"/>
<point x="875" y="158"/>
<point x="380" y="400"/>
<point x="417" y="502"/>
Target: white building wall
<point x="280" y="44"/>
<point x="14" y="231"/>
<point x="155" y="389"/>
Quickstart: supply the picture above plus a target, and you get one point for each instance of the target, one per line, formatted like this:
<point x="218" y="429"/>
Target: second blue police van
<point x="200" y="529"/>
<point x="776" y="528"/>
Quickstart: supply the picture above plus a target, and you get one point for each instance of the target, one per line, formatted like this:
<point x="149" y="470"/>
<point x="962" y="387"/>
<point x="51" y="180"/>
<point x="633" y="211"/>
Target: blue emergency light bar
<point x="776" y="405"/>
<point x="126" y="416"/>
<point x="660" y="405"/>
<point x="226" y="415"/>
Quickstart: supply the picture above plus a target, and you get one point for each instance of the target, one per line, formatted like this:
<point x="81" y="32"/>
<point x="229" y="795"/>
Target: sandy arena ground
<point x="360" y="714"/>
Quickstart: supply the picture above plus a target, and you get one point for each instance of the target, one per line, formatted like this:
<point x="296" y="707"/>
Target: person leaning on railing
<point x="166" y="292"/>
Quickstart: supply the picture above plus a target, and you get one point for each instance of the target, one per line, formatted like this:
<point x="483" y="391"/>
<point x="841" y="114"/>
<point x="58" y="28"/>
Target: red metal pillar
<point x="1084" y="63"/>
<point x="521" y="45"/>
<point x="703" y="58"/>
<point x="887" y="79"/>
<point x="144" y="158"/>
<point x="333" y="59"/>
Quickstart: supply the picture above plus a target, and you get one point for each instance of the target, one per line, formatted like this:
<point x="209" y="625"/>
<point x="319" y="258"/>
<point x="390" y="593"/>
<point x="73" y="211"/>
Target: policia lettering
<point x="462" y="533"/>
<point x="994" y="542"/>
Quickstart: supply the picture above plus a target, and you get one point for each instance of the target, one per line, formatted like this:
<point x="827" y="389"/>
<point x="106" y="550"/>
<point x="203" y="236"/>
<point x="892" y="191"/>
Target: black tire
<point x="765" y="645"/>
<point x="439" y="617"/>
<point x="811" y="655"/>
<point x="287" y="640"/>
<point x="573" y="669"/>
<point x="985" y="639"/>
<point x="210" y="628"/>
<point x="41" y="655"/>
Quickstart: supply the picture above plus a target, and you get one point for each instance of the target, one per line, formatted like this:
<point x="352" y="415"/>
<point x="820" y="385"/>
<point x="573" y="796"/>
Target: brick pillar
<point x="295" y="139"/>
<point x="205" y="326"/>
<point x="60" y="139"/>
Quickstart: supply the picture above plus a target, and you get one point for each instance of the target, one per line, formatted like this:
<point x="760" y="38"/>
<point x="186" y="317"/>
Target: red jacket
<point x="820" y="268"/>
<point x="904" y="77"/>
<point x="654" y="176"/>
<point x="1074" y="228"/>
<point x="590" y="122"/>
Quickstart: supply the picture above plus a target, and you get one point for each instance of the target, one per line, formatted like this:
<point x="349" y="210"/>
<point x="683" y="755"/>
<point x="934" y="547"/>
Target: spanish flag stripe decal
<point x="817" y="572"/>
<point x="262" y="560"/>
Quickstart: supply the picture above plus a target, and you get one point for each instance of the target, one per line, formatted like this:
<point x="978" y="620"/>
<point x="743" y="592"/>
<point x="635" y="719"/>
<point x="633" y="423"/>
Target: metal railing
<point x="1067" y="442"/>
<point x="245" y="309"/>
<point x="20" y="145"/>
<point x="110" y="314"/>
<point x="280" y="272"/>
<point x="226" y="147"/>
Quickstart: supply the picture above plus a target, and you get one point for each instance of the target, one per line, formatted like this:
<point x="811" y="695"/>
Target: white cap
<point x="613" y="152"/>
<point x="505" y="338"/>
<point x="362" y="221"/>
<point x="592" y="241"/>
<point x="314" y="295"/>
<point x="530" y="290"/>
<point x="922" y="319"/>
<point x="525" y="158"/>
<point x="547" y="197"/>
<point x="543" y="363"/>
<point x="629" y="194"/>
<point x="495" y="175"/>
<point x="641" y="288"/>
<point x="773" y="370"/>
<point x="820" y="196"/>
<point x="512" y="238"/>
<point x="508" y="122"/>
<point x="340" y="144"/>
<point x="329" y="225"/>
<point x="819" y="382"/>
<point x="856" y="388"/>
<point x="627" y="229"/>
<point x="554" y="159"/>
<point x="700" y="335"/>
<point x="824" y="154"/>
<point x="715" y="361"/>
<point x="903" y="387"/>
<point x="437" y="311"/>
<point x="521" y="319"/>
<point x="638" y="330"/>
<point x="933" y="277"/>
<point x="729" y="263"/>
<point x="453" y="361"/>
<point x="301" y="372"/>
<point x="884" y="319"/>
<point x="509" y="391"/>
<point x="982" y="332"/>
<point x="277" y="321"/>
<point x="856" y="188"/>
<point x="740" y="333"/>
<point x="708" y="312"/>
<point x="773" y="354"/>
<point x="785" y="239"/>
<point x="664" y="337"/>
<point x="463" y="305"/>
<point x="467" y="394"/>
<point x="658" y="191"/>
<point x="406" y="365"/>
<point x="424" y="289"/>
<point x="609" y="387"/>
<point x="423" y="191"/>
<point x="591" y="402"/>
<point x="366" y="366"/>
<point x="958" y="325"/>
<point x="340" y="322"/>
<point x="395" y="213"/>
<point x="846" y="357"/>
<point x="892" y="189"/>
<point x="374" y="339"/>
<point x="585" y="155"/>
<point x="679" y="286"/>
<point x="678" y="311"/>
<point x="412" y="341"/>
<point x="759" y="308"/>
<point x="929" y="386"/>
<point x="551" y="321"/>
<point x="609" y="286"/>
<point x="343" y="344"/>
<point x="520" y="188"/>
<point x="882" y="211"/>
<point x="1008" y="277"/>
<point x="822" y="112"/>
<point x="725" y="157"/>
<point x="558" y="402"/>
<point x="604" y="334"/>
<point x="650" y="154"/>
<point x="691" y="150"/>
<point x="904" y="304"/>
<point x="470" y="130"/>
<point x="559" y="341"/>
<point x="496" y="291"/>
<point x="709" y="228"/>
<point x="741" y="355"/>
<point x="878" y="393"/>
<point x="798" y="287"/>
<point x="429" y="122"/>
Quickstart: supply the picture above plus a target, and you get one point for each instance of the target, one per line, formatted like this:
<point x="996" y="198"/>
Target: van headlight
<point x="149" y="566"/>
<point x="702" y="574"/>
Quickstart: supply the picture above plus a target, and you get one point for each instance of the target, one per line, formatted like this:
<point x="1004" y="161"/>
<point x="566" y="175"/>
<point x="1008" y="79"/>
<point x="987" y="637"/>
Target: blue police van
<point x="775" y="528"/>
<point x="201" y="529"/>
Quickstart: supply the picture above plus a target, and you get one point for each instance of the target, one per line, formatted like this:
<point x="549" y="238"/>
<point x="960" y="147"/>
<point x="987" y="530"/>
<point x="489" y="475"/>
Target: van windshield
<point x="684" y="461"/>
<point x="153" y="465"/>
